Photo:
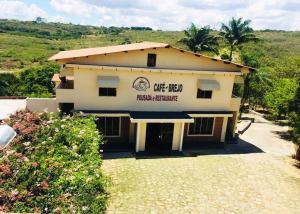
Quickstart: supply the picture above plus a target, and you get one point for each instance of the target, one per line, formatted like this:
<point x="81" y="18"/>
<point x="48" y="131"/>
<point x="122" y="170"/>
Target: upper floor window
<point x="201" y="126"/>
<point x="109" y="126"/>
<point x="108" y="92"/>
<point x="204" y="94"/>
<point x="151" y="62"/>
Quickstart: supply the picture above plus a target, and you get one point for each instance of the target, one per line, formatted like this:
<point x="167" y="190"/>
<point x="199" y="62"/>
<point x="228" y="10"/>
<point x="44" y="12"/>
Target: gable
<point x="167" y="58"/>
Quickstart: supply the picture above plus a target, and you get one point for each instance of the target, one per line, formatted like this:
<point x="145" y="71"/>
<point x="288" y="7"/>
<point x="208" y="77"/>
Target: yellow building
<point x="151" y="96"/>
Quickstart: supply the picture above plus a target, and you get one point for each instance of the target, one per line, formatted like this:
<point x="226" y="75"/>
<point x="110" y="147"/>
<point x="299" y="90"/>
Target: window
<point x="151" y="60"/>
<point x="204" y="94"/>
<point x="109" y="92"/>
<point x="201" y="126"/>
<point x="109" y="126"/>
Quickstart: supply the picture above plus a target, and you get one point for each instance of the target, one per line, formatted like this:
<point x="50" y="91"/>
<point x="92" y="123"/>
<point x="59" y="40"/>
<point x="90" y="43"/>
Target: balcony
<point x="65" y="91"/>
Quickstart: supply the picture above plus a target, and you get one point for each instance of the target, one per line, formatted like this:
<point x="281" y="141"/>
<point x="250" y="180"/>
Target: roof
<point x="129" y="47"/>
<point x="105" y="50"/>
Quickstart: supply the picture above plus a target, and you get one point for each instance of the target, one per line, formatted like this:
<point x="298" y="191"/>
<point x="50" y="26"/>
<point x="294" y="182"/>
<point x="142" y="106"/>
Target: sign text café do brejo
<point x="151" y="96"/>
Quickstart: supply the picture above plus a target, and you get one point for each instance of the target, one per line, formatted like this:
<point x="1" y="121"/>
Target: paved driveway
<point x="254" y="176"/>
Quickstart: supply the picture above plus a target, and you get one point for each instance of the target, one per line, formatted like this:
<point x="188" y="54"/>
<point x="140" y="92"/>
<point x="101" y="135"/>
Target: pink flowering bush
<point x="52" y="166"/>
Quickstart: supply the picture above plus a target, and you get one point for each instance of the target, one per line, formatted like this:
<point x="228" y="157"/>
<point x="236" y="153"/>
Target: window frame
<point x="106" y="91"/>
<point x="199" y="90"/>
<point x="111" y="136"/>
<point x="155" y="60"/>
<point x="209" y="135"/>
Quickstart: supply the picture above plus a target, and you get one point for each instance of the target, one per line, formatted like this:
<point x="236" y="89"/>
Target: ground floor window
<point x="201" y="126"/>
<point x="109" y="126"/>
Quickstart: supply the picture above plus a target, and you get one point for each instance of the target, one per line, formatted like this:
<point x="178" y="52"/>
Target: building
<point x="151" y="96"/>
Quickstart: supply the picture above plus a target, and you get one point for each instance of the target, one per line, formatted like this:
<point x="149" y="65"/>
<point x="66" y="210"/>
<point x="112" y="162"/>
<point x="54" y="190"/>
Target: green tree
<point x="9" y="84"/>
<point x="237" y="32"/>
<point x="200" y="39"/>
<point x="294" y="107"/>
<point x="36" y="81"/>
<point x="3" y="85"/>
<point x="278" y="99"/>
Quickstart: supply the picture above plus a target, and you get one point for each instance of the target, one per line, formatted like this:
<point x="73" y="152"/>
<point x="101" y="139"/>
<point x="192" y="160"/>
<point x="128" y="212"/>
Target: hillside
<point x="24" y="43"/>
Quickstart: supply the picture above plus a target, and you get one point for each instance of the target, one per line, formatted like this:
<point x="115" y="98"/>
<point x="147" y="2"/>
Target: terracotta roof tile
<point x="105" y="50"/>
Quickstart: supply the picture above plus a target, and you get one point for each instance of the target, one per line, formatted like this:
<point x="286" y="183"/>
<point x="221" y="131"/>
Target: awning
<point x="108" y="81"/>
<point x="238" y="80"/>
<point x="159" y="117"/>
<point x="208" y="85"/>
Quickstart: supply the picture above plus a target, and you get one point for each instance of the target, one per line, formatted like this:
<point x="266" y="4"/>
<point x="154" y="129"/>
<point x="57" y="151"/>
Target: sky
<point x="158" y="14"/>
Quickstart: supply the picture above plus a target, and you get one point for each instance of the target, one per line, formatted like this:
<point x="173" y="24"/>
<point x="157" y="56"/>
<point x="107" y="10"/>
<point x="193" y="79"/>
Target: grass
<point x="21" y="47"/>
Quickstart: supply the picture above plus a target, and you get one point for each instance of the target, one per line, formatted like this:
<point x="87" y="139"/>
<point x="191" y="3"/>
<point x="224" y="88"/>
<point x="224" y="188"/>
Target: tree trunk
<point x="297" y="155"/>
<point x="231" y="52"/>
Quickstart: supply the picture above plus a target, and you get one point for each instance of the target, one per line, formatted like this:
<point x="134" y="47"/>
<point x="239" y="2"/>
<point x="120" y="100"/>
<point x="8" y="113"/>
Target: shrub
<point x="53" y="166"/>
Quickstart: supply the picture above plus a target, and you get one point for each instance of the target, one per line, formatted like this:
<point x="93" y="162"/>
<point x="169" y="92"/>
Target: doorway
<point x="159" y="136"/>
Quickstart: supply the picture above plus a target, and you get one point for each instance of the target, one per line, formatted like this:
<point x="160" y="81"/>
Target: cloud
<point x="75" y="7"/>
<point x="20" y="10"/>
<point x="160" y="14"/>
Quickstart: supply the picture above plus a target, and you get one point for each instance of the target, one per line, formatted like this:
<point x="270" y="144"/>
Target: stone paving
<point x="222" y="182"/>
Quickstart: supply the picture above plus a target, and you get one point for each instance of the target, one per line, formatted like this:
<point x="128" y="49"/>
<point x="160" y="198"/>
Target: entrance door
<point x="159" y="136"/>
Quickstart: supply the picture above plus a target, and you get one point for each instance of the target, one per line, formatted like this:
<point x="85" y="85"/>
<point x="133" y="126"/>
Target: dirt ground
<point x="256" y="175"/>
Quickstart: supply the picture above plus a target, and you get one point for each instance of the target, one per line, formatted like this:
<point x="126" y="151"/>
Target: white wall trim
<point x="161" y="120"/>
<point x="210" y="115"/>
<point x="154" y="70"/>
<point x="108" y="114"/>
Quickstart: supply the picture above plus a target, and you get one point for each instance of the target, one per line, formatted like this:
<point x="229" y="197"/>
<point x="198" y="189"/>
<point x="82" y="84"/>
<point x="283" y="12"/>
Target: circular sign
<point x="141" y="84"/>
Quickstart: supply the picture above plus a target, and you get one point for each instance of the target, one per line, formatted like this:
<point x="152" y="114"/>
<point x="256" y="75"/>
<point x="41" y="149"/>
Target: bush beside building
<point x="52" y="166"/>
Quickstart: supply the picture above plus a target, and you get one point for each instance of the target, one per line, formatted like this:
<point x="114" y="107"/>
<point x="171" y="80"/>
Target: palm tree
<point x="237" y="32"/>
<point x="200" y="39"/>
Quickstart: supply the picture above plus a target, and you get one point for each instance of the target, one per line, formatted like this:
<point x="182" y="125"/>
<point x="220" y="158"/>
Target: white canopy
<point x="108" y="81"/>
<point x="208" y="85"/>
<point x="7" y="134"/>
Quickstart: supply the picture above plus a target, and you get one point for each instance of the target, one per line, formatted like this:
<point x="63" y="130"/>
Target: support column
<point x="177" y="136"/>
<point x="140" y="137"/>
<point x="224" y="129"/>
<point x="181" y="137"/>
<point x="138" y="127"/>
<point x="234" y="121"/>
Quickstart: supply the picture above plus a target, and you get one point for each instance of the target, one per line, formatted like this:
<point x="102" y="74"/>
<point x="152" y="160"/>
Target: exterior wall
<point x="85" y="93"/>
<point x="166" y="58"/>
<point x="42" y="104"/>
<point x="215" y="138"/>
<point x="124" y="137"/>
<point x="235" y="103"/>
